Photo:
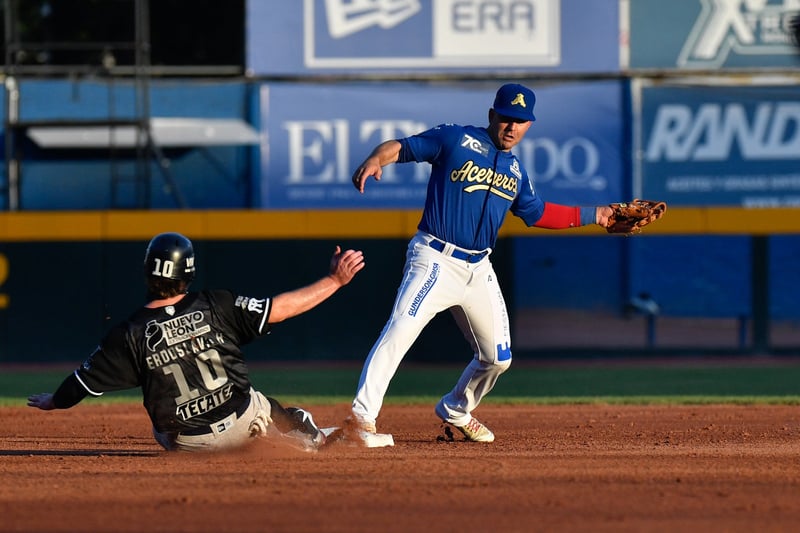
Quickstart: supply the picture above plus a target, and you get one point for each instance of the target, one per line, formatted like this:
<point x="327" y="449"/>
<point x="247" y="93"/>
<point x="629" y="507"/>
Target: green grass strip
<point x="617" y="384"/>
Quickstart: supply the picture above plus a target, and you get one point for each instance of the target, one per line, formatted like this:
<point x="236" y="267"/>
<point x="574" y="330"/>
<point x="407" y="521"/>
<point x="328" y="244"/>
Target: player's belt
<point x="469" y="257"/>
<point x="205" y="430"/>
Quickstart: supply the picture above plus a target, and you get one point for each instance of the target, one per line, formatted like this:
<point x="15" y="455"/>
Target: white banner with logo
<point x="712" y="34"/>
<point x="315" y="135"/>
<point x="724" y="145"/>
<point x="302" y="37"/>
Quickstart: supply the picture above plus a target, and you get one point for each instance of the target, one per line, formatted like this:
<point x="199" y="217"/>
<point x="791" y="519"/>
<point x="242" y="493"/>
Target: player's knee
<point x="499" y="361"/>
<point x="502" y="366"/>
<point x="503" y="357"/>
<point x="496" y="366"/>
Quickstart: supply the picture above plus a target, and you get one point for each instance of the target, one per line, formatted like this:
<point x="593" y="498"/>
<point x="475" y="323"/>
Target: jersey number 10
<point x="164" y="270"/>
<point x="211" y="369"/>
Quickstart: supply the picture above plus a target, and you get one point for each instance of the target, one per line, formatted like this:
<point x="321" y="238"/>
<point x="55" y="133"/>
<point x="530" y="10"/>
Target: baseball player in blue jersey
<point x="184" y="350"/>
<point x="475" y="181"/>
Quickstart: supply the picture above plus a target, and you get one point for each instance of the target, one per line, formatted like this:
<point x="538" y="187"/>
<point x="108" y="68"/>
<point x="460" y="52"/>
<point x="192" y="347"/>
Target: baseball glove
<point x="631" y="217"/>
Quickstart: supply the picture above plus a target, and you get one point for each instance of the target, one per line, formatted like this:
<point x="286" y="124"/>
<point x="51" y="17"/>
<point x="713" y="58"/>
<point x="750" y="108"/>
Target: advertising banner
<point x="712" y="34"/>
<point x="727" y="146"/>
<point x="314" y="136"/>
<point x="343" y="36"/>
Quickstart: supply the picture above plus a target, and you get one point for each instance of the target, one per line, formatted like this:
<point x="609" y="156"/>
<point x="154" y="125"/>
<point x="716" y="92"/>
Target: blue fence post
<point x="651" y="330"/>
<point x="743" y="323"/>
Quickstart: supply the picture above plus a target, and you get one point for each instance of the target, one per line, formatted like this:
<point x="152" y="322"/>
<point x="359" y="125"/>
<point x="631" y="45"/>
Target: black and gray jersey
<point x="186" y="358"/>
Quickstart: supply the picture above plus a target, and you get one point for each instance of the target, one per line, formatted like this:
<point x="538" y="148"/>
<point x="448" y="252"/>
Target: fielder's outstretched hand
<point x="370" y="167"/>
<point x="43" y="400"/>
<point x="383" y="154"/>
<point x="345" y="265"/>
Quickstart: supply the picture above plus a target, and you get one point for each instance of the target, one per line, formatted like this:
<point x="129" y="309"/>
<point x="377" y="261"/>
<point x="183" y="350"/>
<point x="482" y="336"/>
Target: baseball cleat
<point x="359" y="432"/>
<point x="475" y="431"/>
<point x="310" y="438"/>
<point x="355" y="422"/>
<point x="361" y="438"/>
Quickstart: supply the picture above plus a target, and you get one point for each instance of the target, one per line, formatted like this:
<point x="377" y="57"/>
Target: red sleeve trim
<point x="557" y="216"/>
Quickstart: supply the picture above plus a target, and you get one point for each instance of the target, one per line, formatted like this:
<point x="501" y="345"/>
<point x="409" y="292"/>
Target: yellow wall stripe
<point x="204" y="224"/>
<point x="256" y="224"/>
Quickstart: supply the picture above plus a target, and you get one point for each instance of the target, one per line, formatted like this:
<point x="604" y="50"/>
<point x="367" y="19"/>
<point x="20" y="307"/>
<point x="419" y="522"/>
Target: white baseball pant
<point x="432" y="282"/>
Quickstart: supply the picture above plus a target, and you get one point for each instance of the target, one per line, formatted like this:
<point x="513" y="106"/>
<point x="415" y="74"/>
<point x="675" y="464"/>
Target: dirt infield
<point x="552" y="468"/>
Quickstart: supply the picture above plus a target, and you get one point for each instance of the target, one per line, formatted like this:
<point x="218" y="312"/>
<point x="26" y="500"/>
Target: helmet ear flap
<point x="170" y="256"/>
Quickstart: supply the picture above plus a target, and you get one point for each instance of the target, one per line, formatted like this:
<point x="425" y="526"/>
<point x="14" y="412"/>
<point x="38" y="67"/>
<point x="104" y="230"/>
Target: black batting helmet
<point x="170" y="256"/>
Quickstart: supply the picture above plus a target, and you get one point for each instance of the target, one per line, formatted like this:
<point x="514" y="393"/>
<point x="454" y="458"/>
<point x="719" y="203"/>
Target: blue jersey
<point x="471" y="187"/>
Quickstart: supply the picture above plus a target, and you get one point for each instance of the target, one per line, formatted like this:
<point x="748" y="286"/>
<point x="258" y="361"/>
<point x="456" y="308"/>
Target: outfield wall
<point x="66" y="277"/>
<point x="701" y="112"/>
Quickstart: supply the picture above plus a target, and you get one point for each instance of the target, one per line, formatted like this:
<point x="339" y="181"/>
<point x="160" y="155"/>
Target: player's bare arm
<point x="344" y="266"/>
<point x="385" y="153"/>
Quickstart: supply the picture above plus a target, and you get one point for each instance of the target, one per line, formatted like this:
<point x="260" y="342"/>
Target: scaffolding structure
<point x="144" y="148"/>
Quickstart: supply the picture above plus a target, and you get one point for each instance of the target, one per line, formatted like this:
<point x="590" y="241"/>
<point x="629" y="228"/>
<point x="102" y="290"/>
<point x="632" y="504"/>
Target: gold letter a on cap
<point x="519" y="100"/>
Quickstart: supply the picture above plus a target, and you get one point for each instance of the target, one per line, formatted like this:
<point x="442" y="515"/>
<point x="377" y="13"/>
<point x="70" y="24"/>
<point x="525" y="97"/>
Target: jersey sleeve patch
<point x="259" y="307"/>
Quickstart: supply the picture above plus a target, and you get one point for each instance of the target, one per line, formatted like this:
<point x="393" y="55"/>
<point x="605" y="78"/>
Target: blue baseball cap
<point x="515" y="101"/>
